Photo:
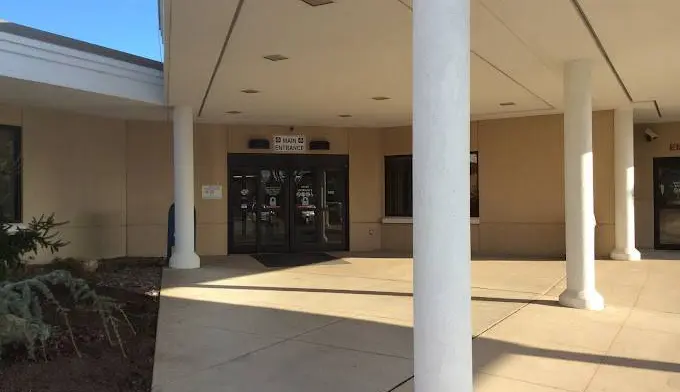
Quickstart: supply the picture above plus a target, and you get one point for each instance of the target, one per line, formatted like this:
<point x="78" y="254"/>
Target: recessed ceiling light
<point x="507" y="104"/>
<point x="276" y="57"/>
<point x="250" y="91"/>
<point x="344" y="115"/>
<point x="233" y="112"/>
<point x="315" y="3"/>
<point x="380" y="98"/>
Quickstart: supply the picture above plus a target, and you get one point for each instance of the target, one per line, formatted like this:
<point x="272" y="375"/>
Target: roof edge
<point x="66" y="42"/>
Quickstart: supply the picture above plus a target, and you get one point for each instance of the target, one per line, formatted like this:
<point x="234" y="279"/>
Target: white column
<point x="578" y="187"/>
<point x="441" y="195"/>
<point x="184" y="255"/>
<point x="624" y="183"/>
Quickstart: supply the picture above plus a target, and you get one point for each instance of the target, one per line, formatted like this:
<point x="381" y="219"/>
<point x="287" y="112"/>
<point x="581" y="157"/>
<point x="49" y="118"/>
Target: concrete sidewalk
<point x="345" y="325"/>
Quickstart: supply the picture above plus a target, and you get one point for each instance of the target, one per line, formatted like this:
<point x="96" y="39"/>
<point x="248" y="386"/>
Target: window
<point x="474" y="185"/>
<point x="10" y="173"/>
<point x="399" y="186"/>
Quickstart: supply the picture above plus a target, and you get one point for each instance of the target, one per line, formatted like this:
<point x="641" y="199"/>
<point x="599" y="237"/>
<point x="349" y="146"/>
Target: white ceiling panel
<point x="553" y="31"/>
<point x="642" y="39"/>
<point x="195" y="31"/>
<point x="340" y="56"/>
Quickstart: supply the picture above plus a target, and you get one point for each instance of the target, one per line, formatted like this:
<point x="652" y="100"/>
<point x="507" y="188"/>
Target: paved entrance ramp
<point x="237" y="326"/>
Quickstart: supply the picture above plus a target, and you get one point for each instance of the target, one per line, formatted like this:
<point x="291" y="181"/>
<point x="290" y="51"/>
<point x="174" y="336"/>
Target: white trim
<point x="36" y="61"/>
<point x="405" y="220"/>
<point x="397" y="220"/>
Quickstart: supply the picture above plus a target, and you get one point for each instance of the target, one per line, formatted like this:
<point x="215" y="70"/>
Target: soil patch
<point x="133" y="283"/>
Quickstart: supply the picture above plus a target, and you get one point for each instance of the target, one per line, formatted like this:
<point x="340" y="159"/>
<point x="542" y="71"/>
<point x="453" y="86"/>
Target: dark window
<point x="399" y="186"/>
<point x="474" y="185"/>
<point x="10" y="173"/>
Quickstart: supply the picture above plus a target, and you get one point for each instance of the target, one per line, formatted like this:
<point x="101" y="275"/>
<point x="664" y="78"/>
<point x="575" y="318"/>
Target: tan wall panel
<point x="365" y="188"/>
<point x="397" y="237"/>
<point x="10" y="115"/>
<point x="147" y="240"/>
<point x="74" y="166"/>
<point x="239" y="136"/>
<point x="645" y="152"/>
<point x="522" y="239"/>
<point x="520" y="171"/>
<point x="211" y="239"/>
<point x="397" y="141"/>
<point x="474" y="239"/>
<point x="149" y="186"/>
<point x="210" y="156"/>
<point x="603" y="167"/>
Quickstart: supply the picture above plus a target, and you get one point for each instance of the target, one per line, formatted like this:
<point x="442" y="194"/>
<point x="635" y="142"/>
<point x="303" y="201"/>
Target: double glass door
<point x="288" y="207"/>
<point x="667" y="203"/>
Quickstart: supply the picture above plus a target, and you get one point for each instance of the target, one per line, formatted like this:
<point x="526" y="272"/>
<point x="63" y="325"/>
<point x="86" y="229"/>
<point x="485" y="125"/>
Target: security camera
<point x="650" y="135"/>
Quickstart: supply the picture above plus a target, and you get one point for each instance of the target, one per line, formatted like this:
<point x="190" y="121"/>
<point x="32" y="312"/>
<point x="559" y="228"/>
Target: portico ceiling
<point x="341" y="55"/>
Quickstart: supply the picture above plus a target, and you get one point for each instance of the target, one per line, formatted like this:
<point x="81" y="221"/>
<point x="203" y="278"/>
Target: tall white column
<point x="624" y="183"/>
<point x="578" y="188"/>
<point x="184" y="256"/>
<point x="441" y="195"/>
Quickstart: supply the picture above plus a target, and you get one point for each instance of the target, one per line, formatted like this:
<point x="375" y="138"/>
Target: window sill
<point x="404" y="220"/>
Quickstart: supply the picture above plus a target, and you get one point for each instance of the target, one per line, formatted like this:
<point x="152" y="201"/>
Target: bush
<point x="16" y="244"/>
<point x="22" y="301"/>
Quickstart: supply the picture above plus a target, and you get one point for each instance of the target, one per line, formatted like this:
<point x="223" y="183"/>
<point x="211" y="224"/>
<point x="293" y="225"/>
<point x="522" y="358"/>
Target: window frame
<point x="401" y="219"/>
<point x="15" y="132"/>
<point x="387" y="162"/>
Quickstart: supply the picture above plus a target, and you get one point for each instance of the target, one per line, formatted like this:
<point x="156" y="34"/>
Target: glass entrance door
<point x="305" y="210"/>
<point x="667" y="203"/>
<point x="243" y="210"/>
<point x="274" y="203"/>
<point x="287" y="203"/>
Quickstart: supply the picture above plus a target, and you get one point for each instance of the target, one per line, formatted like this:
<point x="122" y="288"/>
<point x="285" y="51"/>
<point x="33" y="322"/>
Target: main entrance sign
<point x="290" y="143"/>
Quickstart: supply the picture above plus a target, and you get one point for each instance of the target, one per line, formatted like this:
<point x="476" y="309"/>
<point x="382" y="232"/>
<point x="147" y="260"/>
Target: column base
<point x="185" y="260"/>
<point x="626" y="254"/>
<point x="589" y="300"/>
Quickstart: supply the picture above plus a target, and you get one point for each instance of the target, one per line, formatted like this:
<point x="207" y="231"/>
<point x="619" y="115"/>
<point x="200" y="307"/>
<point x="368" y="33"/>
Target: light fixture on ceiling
<point x="315" y="3"/>
<point x="275" y="57"/>
<point x="250" y="91"/>
<point x="233" y="112"/>
<point x="380" y="98"/>
<point x="345" y="115"/>
<point x="507" y="104"/>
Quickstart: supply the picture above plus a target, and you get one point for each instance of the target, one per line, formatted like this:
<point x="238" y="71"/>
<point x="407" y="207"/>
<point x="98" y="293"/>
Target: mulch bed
<point x="133" y="283"/>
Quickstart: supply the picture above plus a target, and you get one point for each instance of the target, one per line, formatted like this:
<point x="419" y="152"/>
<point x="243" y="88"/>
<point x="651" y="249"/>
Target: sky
<point x="127" y="25"/>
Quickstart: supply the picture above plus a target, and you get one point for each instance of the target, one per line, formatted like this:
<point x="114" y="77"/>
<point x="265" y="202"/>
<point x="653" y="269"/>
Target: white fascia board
<point x="32" y="60"/>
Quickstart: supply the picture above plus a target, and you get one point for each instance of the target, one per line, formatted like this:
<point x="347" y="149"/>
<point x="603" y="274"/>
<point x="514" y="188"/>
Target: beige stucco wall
<point x="521" y="184"/>
<point x="112" y="180"/>
<point x="645" y="152"/>
<point x="74" y="167"/>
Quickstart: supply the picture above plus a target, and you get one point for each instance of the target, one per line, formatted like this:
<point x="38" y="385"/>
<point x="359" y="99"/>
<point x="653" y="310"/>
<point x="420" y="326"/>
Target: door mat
<point x="278" y="260"/>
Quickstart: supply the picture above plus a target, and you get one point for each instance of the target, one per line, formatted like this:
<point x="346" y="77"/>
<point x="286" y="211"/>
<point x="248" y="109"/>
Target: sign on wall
<point x="289" y="143"/>
<point x="211" y="192"/>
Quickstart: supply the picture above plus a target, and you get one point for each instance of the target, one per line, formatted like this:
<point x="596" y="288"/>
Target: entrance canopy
<point x="335" y="59"/>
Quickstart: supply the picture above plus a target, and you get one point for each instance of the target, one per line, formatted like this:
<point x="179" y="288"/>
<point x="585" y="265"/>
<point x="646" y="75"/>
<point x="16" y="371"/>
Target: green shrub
<point x="21" y="315"/>
<point x="22" y="300"/>
<point x="17" y="244"/>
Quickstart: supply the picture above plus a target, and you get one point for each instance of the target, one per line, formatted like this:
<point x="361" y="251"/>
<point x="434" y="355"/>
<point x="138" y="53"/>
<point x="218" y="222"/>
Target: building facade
<point x="112" y="180"/>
